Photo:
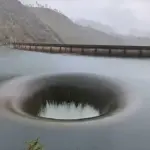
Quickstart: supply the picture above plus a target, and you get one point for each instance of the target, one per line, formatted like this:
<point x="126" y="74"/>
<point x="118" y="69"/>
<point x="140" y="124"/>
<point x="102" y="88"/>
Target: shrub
<point x="34" y="145"/>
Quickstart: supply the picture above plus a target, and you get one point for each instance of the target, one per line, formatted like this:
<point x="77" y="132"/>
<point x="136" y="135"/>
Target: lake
<point x="128" y="129"/>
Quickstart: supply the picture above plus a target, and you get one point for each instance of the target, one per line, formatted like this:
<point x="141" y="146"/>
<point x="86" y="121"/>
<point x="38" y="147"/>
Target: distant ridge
<point x="21" y="23"/>
<point x="73" y="33"/>
<point x="70" y="32"/>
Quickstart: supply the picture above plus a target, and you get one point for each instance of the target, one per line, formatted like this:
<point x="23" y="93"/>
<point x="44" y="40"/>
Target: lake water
<point x="129" y="130"/>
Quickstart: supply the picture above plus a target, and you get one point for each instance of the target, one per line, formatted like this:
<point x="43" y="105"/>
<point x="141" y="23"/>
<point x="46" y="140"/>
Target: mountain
<point x="37" y="24"/>
<point x="136" y="36"/>
<point x="71" y="32"/>
<point x="17" y="23"/>
<point x="139" y="33"/>
<point x="91" y="33"/>
<point x="95" y="25"/>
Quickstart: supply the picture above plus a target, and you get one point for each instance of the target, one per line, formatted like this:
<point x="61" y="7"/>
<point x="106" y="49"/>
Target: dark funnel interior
<point x="100" y="94"/>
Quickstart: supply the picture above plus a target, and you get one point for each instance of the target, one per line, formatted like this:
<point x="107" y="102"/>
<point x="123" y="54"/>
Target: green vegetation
<point x="34" y="145"/>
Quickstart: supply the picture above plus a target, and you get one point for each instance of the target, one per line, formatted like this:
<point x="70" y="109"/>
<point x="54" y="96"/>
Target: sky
<point x="122" y="15"/>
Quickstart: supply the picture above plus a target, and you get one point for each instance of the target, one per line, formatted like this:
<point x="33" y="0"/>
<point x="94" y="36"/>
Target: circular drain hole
<point x="73" y="97"/>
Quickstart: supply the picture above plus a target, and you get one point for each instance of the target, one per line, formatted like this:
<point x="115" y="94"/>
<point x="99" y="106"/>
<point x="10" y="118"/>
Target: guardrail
<point x="95" y="50"/>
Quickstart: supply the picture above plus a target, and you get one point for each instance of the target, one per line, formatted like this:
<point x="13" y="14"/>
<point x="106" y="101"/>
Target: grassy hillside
<point x="70" y="32"/>
<point x="17" y="23"/>
<point x="127" y="40"/>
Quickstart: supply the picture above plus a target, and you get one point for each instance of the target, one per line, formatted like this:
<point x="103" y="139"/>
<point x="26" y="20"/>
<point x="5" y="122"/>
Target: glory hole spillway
<point x="73" y="102"/>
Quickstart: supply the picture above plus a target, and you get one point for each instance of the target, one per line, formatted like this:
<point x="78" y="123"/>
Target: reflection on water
<point x="65" y="111"/>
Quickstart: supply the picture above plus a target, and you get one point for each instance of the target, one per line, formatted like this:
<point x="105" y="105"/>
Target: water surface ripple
<point x="23" y="76"/>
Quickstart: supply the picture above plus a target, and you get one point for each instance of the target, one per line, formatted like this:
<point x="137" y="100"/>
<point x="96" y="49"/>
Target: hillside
<point x="17" y="23"/>
<point x="141" y="33"/>
<point x="95" y="25"/>
<point x="137" y="37"/>
<point x="29" y="24"/>
<point x="70" y="32"/>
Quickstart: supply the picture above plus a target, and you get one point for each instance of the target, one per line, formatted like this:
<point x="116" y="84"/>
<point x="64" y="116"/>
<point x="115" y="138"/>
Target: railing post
<point x="35" y="48"/>
<point x="50" y="49"/>
<point x="96" y="51"/>
<point x="30" y="47"/>
<point x="43" y="48"/>
<point x="124" y="52"/>
<point x="65" y="50"/>
<point x="109" y="51"/>
<point x="70" y="49"/>
<point x="82" y="50"/>
<point x="60" y="49"/>
<point x="140" y="53"/>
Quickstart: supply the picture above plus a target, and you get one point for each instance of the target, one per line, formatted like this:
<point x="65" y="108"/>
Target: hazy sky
<point x="121" y="14"/>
